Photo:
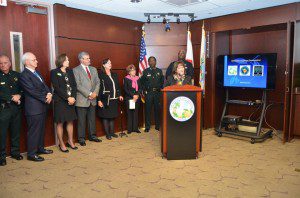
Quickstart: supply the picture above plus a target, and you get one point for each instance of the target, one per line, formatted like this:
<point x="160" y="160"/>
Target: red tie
<point x="88" y="73"/>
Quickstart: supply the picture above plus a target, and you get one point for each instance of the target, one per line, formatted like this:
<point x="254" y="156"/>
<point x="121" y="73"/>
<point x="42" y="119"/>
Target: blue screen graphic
<point x="248" y="71"/>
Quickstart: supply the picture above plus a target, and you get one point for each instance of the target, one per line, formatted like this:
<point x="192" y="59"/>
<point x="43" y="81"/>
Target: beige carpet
<point x="133" y="167"/>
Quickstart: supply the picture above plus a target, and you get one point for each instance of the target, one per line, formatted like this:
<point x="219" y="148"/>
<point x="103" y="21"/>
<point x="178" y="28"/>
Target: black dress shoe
<point x="74" y="148"/>
<point x="94" y="139"/>
<point x="82" y="143"/>
<point x="138" y="131"/>
<point x="35" y="158"/>
<point x="157" y="128"/>
<point x="108" y="137"/>
<point x="128" y="132"/>
<point x="17" y="157"/>
<point x="114" y="135"/>
<point x="146" y="130"/>
<point x="45" y="151"/>
<point x="64" y="151"/>
<point x="2" y="162"/>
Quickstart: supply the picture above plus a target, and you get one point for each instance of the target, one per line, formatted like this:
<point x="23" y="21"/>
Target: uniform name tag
<point x="149" y="75"/>
<point x="59" y="74"/>
<point x="2" y="83"/>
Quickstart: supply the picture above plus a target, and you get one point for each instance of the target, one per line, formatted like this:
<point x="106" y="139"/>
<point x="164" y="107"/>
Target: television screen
<point x="247" y="70"/>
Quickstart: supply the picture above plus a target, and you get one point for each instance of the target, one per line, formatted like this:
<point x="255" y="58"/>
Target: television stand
<point x="237" y="126"/>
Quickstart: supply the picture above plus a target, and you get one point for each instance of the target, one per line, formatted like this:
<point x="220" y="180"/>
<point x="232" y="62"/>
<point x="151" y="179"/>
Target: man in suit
<point x="37" y="97"/>
<point x="88" y="85"/>
<point x="188" y="66"/>
<point x="10" y="110"/>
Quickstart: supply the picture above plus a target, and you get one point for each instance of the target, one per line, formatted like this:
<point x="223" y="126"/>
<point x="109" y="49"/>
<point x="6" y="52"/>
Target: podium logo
<point x="182" y="108"/>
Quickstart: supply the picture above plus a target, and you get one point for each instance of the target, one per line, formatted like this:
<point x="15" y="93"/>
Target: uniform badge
<point x="16" y="79"/>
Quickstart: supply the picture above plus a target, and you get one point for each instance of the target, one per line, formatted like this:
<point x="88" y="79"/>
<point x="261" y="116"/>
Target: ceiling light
<point x="135" y="1"/>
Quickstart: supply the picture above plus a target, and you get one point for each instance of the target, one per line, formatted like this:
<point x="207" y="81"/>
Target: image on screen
<point x="247" y="71"/>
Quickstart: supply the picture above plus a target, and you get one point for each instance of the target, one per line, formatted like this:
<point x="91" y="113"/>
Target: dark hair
<point x="151" y="57"/>
<point x="130" y="68"/>
<point x="104" y="61"/>
<point x="60" y="60"/>
<point x="176" y="64"/>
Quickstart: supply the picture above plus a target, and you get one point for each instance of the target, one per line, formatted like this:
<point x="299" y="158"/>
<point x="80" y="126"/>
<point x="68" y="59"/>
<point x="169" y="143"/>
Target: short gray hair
<point x="25" y="57"/>
<point x="81" y="54"/>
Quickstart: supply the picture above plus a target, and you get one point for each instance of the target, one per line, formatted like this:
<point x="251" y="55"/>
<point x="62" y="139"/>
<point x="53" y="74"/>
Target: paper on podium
<point x="131" y="104"/>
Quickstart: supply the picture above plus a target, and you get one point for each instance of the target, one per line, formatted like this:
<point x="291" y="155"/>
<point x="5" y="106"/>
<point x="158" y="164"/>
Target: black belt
<point x="153" y="89"/>
<point x="4" y="105"/>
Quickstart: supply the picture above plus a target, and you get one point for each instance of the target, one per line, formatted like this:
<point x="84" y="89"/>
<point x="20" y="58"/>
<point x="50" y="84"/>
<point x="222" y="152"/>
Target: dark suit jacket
<point x="35" y="92"/>
<point x="129" y="91"/>
<point x="60" y="85"/>
<point x="106" y="87"/>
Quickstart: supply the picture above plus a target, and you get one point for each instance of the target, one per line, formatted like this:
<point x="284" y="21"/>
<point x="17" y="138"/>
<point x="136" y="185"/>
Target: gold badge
<point x="16" y="79"/>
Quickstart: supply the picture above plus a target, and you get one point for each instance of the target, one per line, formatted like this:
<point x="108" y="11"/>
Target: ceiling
<point x="201" y="8"/>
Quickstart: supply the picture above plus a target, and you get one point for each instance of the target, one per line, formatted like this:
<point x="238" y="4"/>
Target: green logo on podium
<point x="182" y="108"/>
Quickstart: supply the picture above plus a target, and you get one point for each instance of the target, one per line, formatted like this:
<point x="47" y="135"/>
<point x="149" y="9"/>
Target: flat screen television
<point x="247" y="70"/>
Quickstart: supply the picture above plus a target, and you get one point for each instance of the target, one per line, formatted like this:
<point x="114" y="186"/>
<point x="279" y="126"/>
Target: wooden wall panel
<point x="34" y="28"/>
<point x="102" y="37"/>
<point x="165" y="45"/>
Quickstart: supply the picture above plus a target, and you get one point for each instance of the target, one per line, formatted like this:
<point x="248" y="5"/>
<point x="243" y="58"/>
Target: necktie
<point x="37" y="75"/>
<point x="88" y="73"/>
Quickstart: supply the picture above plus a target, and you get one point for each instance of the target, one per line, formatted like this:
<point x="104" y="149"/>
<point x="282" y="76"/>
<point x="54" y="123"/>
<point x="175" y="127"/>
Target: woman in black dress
<point x="132" y="88"/>
<point x="64" y="85"/>
<point x="108" y="97"/>
<point x="179" y="76"/>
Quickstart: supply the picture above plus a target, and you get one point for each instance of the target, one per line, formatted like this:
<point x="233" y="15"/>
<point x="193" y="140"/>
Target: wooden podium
<point x="181" y="122"/>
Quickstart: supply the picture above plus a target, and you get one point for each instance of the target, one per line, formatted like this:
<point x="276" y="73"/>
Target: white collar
<point x="32" y="70"/>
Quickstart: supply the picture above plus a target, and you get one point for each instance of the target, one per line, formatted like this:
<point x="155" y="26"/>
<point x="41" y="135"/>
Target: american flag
<point x="143" y="64"/>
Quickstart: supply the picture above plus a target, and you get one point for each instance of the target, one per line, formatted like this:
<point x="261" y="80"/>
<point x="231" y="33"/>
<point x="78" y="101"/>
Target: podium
<point x="181" y="131"/>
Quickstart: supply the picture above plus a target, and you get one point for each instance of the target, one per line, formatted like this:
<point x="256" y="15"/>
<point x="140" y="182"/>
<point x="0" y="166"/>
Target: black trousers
<point x="36" y="133"/>
<point x="152" y="99"/>
<point x="132" y="116"/>
<point x="83" y="114"/>
<point x="109" y="125"/>
<point x="10" y="119"/>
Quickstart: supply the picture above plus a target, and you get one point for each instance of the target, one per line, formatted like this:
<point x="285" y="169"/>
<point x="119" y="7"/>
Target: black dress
<point x="171" y="80"/>
<point x="132" y="114"/>
<point x="109" y="94"/>
<point x="64" y="85"/>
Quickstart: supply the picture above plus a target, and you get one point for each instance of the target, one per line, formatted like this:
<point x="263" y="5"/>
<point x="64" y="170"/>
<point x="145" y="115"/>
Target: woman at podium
<point x="179" y="76"/>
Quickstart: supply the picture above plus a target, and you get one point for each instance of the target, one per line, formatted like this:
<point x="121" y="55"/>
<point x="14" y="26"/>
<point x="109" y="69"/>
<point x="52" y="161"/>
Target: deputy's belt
<point x="153" y="89"/>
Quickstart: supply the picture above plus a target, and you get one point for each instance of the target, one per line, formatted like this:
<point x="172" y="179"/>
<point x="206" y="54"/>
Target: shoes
<point x="157" y="128"/>
<point x="45" y="151"/>
<point x="17" y="157"/>
<point x="82" y="143"/>
<point x="128" y="132"/>
<point x="138" y="131"/>
<point x="35" y="158"/>
<point x="114" y="135"/>
<point x="108" y="137"/>
<point x="68" y="145"/>
<point x="146" y="130"/>
<point x="94" y="139"/>
<point x="2" y="162"/>
<point x="64" y="151"/>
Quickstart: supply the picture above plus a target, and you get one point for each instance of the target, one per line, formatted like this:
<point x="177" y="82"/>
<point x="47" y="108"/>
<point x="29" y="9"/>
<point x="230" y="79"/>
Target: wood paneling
<point x="165" y="45"/>
<point x="102" y="37"/>
<point x="34" y="28"/>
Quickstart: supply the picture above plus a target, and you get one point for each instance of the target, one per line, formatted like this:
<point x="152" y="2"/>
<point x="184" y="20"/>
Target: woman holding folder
<point x="132" y="88"/>
<point x="108" y="97"/>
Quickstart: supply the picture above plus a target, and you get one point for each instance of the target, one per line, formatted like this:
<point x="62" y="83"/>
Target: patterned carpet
<point x="132" y="167"/>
